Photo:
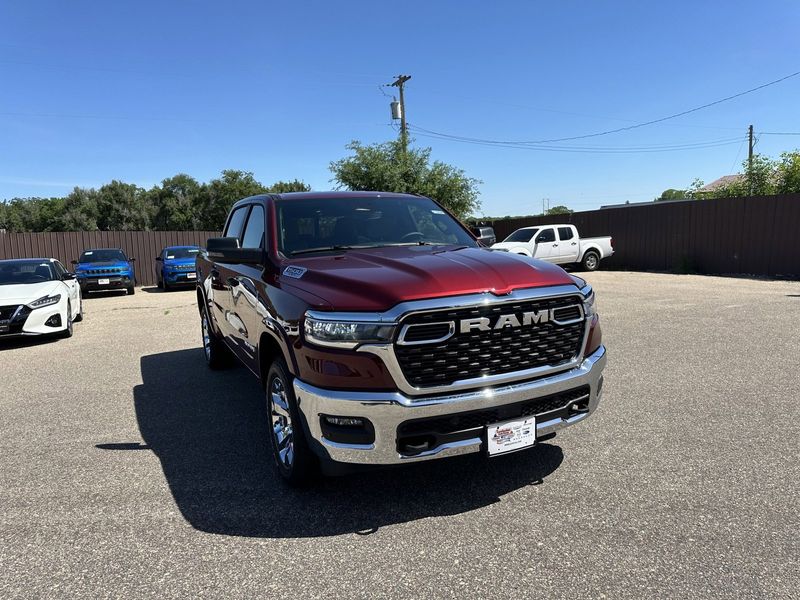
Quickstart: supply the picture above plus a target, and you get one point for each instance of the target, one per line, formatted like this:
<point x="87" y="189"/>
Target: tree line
<point x="177" y="203"/>
<point x="181" y="203"/>
<point x="764" y="176"/>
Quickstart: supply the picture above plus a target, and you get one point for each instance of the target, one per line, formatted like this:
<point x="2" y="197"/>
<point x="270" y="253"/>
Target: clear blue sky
<point x="138" y="91"/>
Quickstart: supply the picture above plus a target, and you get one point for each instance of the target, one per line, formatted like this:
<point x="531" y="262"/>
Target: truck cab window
<point x="234" y="228"/>
<point x="254" y="232"/>
<point x="547" y="235"/>
<point x="565" y="233"/>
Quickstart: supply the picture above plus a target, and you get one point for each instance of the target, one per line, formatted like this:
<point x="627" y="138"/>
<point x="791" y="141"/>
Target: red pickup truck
<point x="383" y="333"/>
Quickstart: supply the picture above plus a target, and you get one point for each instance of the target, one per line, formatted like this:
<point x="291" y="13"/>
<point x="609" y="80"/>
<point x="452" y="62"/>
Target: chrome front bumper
<point x="387" y="410"/>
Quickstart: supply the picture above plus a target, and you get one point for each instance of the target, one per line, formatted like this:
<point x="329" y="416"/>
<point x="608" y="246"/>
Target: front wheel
<point x="591" y="261"/>
<point x="217" y="354"/>
<point x="131" y="290"/>
<point x="67" y="333"/>
<point x="293" y="457"/>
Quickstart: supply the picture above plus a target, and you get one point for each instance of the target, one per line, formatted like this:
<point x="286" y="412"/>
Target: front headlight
<point x="45" y="301"/>
<point x="589" y="307"/>
<point x="346" y="334"/>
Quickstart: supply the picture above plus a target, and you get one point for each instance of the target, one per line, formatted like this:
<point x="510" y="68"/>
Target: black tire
<point x="293" y="458"/>
<point x="67" y="333"/>
<point x="160" y="284"/>
<point x="591" y="261"/>
<point x="131" y="290"/>
<point x="165" y="286"/>
<point x="216" y="352"/>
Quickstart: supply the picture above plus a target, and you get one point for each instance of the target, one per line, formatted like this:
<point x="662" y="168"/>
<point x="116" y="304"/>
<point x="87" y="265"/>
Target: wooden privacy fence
<point x="754" y="235"/>
<point x="144" y="246"/>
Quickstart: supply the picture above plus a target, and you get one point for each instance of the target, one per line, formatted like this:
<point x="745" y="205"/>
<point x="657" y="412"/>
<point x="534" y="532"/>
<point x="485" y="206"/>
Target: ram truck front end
<point x="384" y="334"/>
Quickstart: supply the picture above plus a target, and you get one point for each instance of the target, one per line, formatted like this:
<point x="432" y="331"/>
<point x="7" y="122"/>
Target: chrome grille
<point x="483" y="353"/>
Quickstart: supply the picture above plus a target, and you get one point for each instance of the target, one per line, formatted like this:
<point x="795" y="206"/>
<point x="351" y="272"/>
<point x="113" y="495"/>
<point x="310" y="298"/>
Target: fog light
<point x="345" y="421"/>
<point x="347" y="430"/>
<point x="54" y="321"/>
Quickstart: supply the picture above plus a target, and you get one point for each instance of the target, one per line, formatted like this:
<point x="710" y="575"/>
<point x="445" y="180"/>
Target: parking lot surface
<point x="127" y="468"/>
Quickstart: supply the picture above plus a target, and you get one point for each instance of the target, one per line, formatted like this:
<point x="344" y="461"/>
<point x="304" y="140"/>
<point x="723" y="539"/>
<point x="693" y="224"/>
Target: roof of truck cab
<point x="340" y="194"/>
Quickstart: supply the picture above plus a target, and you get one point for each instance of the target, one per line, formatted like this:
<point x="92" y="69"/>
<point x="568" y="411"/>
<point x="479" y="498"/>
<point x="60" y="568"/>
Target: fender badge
<point x="294" y="272"/>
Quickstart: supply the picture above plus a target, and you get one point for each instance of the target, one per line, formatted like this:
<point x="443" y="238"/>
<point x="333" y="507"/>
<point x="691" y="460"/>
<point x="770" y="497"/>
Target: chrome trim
<point x="387" y="410"/>
<point x="568" y="321"/>
<point x="398" y="311"/>
<point x="401" y="339"/>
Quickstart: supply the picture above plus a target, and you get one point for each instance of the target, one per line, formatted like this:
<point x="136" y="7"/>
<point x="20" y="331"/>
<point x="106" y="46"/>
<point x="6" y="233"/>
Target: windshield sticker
<point x="88" y="253"/>
<point x="294" y="272"/>
<point x="437" y="212"/>
<point x="170" y="256"/>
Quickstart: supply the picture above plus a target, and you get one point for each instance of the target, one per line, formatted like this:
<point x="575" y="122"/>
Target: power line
<point x="619" y="129"/>
<point x="779" y="133"/>
<point x="594" y="149"/>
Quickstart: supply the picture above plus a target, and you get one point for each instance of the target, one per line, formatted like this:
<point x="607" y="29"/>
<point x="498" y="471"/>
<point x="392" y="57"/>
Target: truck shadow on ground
<point x="209" y="431"/>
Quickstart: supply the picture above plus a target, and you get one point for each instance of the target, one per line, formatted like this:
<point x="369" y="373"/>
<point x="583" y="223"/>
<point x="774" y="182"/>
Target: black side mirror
<point x="74" y="262"/>
<point x="227" y="250"/>
<point x="67" y="276"/>
<point x="131" y="260"/>
<point x="159" y="259"/>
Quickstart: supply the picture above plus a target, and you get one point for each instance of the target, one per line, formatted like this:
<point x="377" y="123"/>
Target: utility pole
<point x="399" y="83"/>
<point x="750" y="149"/>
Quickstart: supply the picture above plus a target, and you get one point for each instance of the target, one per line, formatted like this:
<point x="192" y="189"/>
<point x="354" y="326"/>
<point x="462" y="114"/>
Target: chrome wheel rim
<point x="281" y="422"/>
<point x="206" y="338"/>
<point x="591" y="261"/>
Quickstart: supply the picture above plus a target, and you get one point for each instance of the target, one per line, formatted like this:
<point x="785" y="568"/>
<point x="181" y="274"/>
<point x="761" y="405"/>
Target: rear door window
<point x="565" y="233"/>
<point x="254" y="232"/>
<point x="234" y="228"/>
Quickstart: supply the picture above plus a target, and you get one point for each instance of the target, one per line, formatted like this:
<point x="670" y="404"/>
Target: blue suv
<point x="102" y="269"/>
<point x="176" y="266"/>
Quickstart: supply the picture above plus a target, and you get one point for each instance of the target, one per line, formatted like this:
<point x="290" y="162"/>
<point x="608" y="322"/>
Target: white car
<point x="38" y="296"/>
<point x="559" y="244"/>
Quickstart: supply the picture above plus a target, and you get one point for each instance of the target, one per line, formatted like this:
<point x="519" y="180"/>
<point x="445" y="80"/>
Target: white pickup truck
<point x="559" y="244"/>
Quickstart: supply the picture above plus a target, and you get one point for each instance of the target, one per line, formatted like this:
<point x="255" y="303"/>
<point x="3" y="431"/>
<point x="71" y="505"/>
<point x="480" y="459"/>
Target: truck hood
<point x="378" y="278"/>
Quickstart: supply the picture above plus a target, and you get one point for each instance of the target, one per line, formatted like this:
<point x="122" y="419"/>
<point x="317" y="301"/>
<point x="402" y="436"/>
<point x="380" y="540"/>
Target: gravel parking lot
<point x="129" y="469"/>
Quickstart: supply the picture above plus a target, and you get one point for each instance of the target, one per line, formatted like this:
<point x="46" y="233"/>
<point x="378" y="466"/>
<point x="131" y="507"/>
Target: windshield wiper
<point x="325" y="249"/>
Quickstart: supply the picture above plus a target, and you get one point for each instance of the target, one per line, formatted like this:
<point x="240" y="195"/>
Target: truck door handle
<point x="574" y="244"/>
<point x="554" y="245"/>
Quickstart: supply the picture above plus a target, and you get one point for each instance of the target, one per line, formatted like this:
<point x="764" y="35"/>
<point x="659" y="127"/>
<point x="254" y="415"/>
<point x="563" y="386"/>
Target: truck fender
<point x="521" y="251"/>
<point x="588" y="247"/>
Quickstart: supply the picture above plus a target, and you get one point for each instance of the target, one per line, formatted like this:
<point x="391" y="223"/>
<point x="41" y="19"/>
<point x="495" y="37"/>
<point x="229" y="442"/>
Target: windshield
<point x="93" y="256"/>
<point x="310" y="225"/>
<point x="178" y="253"/>
<point x="521" y="235"/>
<point x="26" y="271"/>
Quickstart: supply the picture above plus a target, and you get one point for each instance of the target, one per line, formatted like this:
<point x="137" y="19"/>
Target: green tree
<point x="220" y="194"/>
<point x="672" y="194"/>
<point x="693" y="191"/>
<point x="559" y="210"/>
<point x="80" y="210"/>
<point x="284" y="187"/>
<point x="123" y="207"/>
<point x="175" y="203"/>
<point x="388" y="167"/>
<point x="788" y="173"/>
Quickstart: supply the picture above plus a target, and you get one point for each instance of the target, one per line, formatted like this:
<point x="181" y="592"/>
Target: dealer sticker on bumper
<point x="511" y="435"/>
